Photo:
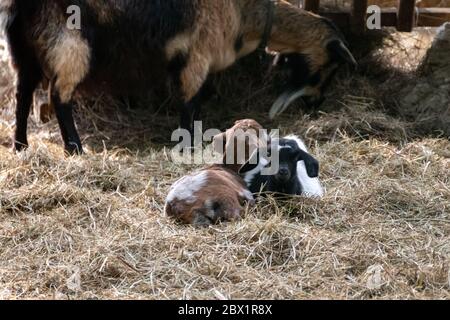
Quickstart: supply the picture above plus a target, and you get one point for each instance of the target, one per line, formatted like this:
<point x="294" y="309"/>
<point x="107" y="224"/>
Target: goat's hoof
<point x="20" y="146"/>
<point x="74" y="150"/>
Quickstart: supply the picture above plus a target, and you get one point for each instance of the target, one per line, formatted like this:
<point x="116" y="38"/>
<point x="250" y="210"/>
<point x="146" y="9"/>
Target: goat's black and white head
<point x="310" y="48"/>
<point x="289" y="154"/>
<point x="283" y="157"/>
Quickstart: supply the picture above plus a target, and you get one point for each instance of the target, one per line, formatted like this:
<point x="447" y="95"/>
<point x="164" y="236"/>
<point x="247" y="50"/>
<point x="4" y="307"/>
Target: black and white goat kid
<point x="297" y="172"/>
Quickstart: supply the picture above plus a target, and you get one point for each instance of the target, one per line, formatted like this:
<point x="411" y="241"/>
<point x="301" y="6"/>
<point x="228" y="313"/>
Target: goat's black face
<point x="311" y="69"/>
<point x="289" y="154"/>
<point x="303" y="82"/>
<point x="287" y="165"/>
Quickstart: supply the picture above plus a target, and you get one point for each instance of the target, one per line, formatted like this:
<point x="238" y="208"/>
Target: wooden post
<point x="359" y="16"/>
<point x="312" y="5"/>
<point x="406" y="14"/>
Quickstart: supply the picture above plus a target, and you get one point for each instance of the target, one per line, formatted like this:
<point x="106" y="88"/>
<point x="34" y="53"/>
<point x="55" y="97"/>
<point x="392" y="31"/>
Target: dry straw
<point x="92" y="226"/>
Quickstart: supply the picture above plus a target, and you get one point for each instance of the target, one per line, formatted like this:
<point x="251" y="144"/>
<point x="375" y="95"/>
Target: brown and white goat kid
<point x="207" y="197"/>
<point x="218" y="193"/>
<point x="127" y="46"/>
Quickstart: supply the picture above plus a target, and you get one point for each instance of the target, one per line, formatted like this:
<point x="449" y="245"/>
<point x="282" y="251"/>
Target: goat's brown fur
<point x="211" y="43"/>
<point x="245" y="133"/>
<point x="121" y="44"/>
<point x="222" y="197"/>
<point x="222" y="187"/>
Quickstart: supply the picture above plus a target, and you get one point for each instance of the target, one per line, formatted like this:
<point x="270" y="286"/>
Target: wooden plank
<point x="343" y="18"/>
<point x="312" y="5"/>
<point x="433" y="17"/>
<point x="428" y="17"/>
<point x="406" y="15"/>
<point x="358" y="19"/>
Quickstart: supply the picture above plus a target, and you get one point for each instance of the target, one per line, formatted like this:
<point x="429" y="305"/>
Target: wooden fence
<point x="405" y="17"/>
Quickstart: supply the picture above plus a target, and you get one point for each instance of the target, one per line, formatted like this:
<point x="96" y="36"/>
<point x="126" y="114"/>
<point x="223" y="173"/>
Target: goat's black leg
<point x="192" y="109"/>
<point x="64" y="114"/>
<point x="29" y="75"/>
<point x="27" y="81"/>
<point x="186" y="116"/>
<point x="187" y="119"/>
<point x="205" y="94"/>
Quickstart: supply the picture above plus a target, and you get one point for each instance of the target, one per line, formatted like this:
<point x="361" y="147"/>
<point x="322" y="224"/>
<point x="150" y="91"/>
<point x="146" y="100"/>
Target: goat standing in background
<point x="126" y="45"/>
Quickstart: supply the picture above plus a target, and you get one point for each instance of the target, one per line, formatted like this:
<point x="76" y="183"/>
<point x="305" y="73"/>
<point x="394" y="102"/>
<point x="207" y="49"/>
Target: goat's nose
<point x="284" y="172"/>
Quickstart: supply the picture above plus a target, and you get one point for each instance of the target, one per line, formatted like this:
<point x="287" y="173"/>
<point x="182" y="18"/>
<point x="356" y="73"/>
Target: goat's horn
<point x="284" y="101"/>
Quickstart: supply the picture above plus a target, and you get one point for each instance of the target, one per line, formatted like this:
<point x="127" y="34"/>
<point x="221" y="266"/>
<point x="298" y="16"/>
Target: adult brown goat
<point x="122" y="44"/>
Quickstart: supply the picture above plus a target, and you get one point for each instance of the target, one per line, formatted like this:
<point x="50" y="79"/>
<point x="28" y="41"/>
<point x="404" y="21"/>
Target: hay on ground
<point x="93" y="226"/>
